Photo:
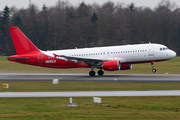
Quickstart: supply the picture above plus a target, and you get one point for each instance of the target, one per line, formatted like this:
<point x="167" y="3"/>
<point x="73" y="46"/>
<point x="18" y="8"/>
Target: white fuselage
<point x="125" y="53"/>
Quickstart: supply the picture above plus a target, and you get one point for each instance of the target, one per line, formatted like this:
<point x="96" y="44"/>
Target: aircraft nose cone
<point x="173" y="54"/>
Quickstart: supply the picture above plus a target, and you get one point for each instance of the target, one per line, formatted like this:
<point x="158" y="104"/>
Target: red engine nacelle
<point x="126" y="66"/>
<point x="112" y="65"/>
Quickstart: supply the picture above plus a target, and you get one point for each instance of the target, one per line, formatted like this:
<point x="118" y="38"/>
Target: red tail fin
<point x="21" y="43"/>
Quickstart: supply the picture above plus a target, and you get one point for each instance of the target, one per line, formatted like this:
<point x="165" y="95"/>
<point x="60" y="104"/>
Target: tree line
<point x="65" y="26"/>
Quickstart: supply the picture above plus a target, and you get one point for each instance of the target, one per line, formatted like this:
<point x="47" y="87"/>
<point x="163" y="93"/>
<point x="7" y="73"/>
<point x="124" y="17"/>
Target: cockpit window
<point x="165" y="48"/>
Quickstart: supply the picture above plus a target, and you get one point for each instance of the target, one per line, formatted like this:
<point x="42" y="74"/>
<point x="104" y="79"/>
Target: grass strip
<point x="40" y="86"/>
<point x="131" y="108"/>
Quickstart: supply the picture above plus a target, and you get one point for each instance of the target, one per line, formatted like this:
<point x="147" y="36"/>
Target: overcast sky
<point x="25" y="3"/>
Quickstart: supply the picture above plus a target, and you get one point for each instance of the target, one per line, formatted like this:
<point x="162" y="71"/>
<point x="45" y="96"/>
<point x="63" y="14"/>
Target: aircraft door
<point x="151" y="50"/>
<point x="40" y="58"/>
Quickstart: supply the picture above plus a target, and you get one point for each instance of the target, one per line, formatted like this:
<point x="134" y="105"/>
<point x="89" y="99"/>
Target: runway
<point x="86" y="77"/>
<point x="92" y="93"/>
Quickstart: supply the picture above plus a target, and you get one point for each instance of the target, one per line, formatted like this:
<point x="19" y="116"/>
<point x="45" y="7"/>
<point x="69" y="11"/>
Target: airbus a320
<point x="108" y="58"/>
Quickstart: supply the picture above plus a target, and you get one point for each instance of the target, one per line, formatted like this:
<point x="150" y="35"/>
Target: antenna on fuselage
<point x="149" y="42"/>
<point x="75" y="47"/>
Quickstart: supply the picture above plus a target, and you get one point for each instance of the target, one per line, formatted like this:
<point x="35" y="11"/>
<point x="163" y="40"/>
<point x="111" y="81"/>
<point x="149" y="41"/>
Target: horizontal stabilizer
<point x="18" y="58"/>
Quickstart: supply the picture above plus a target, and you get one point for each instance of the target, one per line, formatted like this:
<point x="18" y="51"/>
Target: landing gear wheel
<point x="153" y="70"/>
<point x="92" y="73"/>
<point x="100" y="72"/>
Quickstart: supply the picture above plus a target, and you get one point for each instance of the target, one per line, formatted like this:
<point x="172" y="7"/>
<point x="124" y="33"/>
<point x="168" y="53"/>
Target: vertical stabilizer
<point x="21" y="43"/>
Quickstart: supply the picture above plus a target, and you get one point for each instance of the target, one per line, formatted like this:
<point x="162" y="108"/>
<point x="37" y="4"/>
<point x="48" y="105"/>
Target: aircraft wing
<point x="80" y="59"/>
<point x="89" y="61"/>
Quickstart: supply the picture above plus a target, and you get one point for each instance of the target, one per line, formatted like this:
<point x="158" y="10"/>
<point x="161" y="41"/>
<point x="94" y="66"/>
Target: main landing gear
<point x="100" y="72"/>
<point x="92" y="72"/>
<point x="153" y="69"/>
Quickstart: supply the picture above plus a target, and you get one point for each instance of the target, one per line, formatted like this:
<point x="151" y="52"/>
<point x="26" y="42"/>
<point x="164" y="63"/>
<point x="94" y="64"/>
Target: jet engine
<point x="111" y="65"/>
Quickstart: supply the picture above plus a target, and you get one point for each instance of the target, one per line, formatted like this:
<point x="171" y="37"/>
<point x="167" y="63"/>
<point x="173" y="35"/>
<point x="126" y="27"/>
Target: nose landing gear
<point x="153" y="69"/>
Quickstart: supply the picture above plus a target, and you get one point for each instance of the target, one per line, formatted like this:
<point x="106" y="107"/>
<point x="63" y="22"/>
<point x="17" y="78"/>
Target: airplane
<point x="109" y="58"/>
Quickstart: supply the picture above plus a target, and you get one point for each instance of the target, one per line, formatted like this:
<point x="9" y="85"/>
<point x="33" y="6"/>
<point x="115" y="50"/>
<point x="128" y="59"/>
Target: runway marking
<point x="91" y="93"/>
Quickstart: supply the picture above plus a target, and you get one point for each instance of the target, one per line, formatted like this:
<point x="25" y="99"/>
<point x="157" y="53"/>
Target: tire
<point x="92" y="73"/>
<point x="100" y="72"/>
<point x="153" y="70"/>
